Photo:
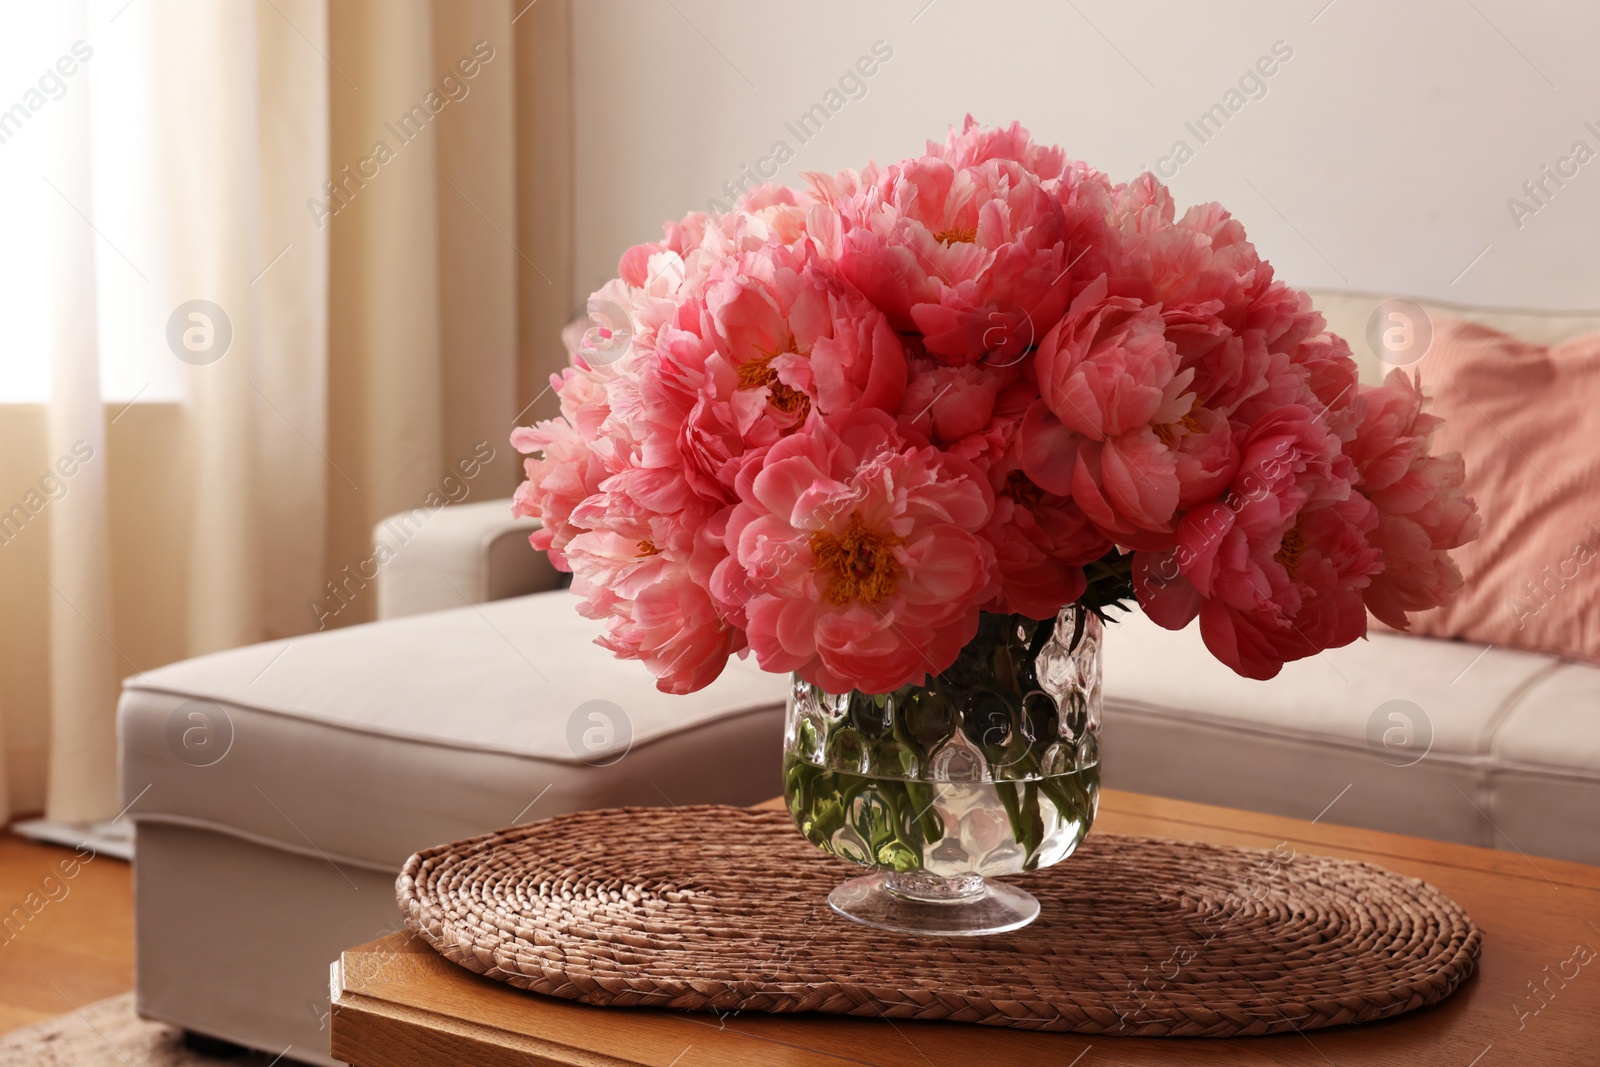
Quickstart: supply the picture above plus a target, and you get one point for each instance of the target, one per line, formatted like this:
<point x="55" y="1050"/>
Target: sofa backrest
<point x="1347" y="315"/>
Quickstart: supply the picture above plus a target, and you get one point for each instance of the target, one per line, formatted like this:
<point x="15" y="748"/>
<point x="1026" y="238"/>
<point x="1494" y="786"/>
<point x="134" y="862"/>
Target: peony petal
<point x="1167" y="597"/>
<point x="1048" y="450"/>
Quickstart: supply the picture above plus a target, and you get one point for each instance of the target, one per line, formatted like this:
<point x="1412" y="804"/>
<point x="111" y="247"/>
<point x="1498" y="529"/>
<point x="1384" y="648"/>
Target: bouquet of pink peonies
<point x="832" y="427"/>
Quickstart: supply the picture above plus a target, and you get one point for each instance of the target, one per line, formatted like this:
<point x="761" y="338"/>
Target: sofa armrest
<point x="432" y="559"/>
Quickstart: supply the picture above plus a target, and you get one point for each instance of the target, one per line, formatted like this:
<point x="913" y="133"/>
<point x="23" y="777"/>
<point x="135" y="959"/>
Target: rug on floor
<point x="109" y="1033"/>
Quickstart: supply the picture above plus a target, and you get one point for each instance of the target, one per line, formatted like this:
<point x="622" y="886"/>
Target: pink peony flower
<point x="1041" y="541"/>
<point x="1237" y="329"/>
<point x="681" y="239"/>
<point x="781" y="338"/>
<point x="1423" y="510"/>
<point x="854" y="555"/>
<point x="947" y="404"/>
<point x="558" y="480"/>
<point x="1275" y="571"/>
<point x="568" y="468"/>
<point x="675" y="629"/>
<point x="972" y="249"/>
<point x="854" y="357"/>
<point x="1270" y="601"/>
<point x="975" y="144"/>
<point x="1107" y="369"/>
<point x="1039" y="544"/>
<point x="1116" y="427"/>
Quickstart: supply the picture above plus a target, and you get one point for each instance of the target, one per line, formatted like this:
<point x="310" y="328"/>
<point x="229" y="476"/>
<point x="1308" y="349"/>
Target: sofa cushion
<point x="1349" y="313"/>
<point x="1401" y="733"/>
<point x="1545" y="789"/>
<point x="1510" y="408"/>
<point x="366" y="743"/>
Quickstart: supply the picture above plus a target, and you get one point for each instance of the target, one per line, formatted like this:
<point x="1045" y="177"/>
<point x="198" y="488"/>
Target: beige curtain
<point x="79" y="605"/>
<point x="382" y="326"/>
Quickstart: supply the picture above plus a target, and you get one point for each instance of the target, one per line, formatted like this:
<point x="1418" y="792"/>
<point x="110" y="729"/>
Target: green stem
<point x="920" y="795"/>
<point x="904" y="827"/>
<point x="1007" y="792"/>
<point x="1067" y="794"/>
<point x="1033" y="825"/>
<point x="1041" y="637"/>
<point x="1080" y="619"/>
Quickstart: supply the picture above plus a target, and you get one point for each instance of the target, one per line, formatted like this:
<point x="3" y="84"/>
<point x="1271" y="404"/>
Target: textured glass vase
<point x="989" y="769"/>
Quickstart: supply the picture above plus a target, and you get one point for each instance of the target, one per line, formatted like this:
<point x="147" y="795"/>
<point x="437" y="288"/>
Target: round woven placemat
<point x="718" y="908"/>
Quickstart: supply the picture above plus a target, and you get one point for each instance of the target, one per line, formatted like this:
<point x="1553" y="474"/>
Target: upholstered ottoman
<point x="278" y="788"/>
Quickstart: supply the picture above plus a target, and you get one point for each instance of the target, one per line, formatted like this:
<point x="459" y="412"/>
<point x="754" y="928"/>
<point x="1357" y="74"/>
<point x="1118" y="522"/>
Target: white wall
<point x="1381" y="157"/>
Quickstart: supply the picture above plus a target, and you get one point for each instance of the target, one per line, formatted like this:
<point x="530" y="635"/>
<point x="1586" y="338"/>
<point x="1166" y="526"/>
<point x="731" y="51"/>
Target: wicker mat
<point x="717" y="908"/>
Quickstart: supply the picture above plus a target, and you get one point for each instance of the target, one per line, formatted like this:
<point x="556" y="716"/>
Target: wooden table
<point x="1534" y="1000"/>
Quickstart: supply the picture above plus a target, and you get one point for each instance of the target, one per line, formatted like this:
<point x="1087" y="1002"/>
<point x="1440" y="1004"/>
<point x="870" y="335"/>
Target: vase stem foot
<point x="928" y="906"/>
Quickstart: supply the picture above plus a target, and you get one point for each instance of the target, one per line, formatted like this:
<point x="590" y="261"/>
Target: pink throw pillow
<point x="1524" y="416"/>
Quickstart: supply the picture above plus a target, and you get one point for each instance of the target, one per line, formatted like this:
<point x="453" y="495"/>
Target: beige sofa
<point x="279" y="787"/>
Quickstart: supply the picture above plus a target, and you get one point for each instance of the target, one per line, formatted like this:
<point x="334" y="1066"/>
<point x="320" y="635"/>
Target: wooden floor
<point x="78" y="946"/>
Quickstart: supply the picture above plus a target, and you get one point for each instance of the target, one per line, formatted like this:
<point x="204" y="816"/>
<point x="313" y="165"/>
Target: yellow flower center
<point x="965" y="235"/>
<point x="1168" y="432"/>
<point x="1288" y="554"/>
<point x="648" y="548"/>
<point x="862" y="563"/>
<point x="1020" y="487"/>
<point x="758" y="372"/>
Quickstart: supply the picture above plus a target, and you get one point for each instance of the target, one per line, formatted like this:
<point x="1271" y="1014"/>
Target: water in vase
<point x="942" y="828"/>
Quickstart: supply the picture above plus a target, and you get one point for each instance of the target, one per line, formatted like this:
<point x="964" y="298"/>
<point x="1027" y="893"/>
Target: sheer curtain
<point x="294" y="259"/>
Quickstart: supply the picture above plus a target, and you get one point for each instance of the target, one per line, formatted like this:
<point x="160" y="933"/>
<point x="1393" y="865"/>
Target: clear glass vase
<point x="989" y="769"/>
